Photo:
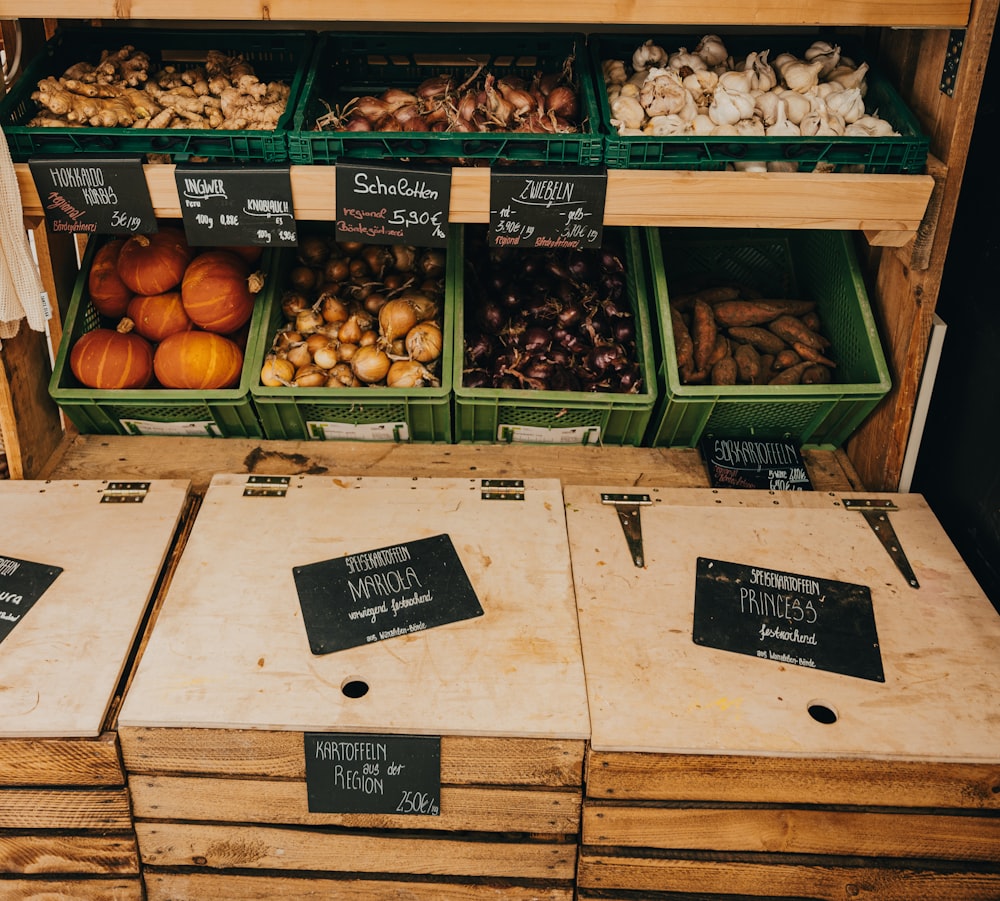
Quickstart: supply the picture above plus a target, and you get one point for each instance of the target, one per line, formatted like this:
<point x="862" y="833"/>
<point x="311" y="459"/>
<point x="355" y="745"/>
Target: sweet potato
<point x="703" y="333"/>
<point x="763" y="341"/>
<point x="811" y="354"/>
<point x="792" y="375"/>
<point x="721" y="349"/>
<point x="713" y="295"/>
<point x="786" y="358"/>
<point x="817" y="374"/>
<point x="724" y="372"/>
<point x="791" y="330"/>
<point x="747" y="362"/>
<point x="683" y="345"/>
<point x="757" y="312"/>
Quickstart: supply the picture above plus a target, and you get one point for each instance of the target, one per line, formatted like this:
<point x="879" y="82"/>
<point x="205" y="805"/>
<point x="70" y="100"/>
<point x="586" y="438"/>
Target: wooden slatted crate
<point x="213" y="728"/>
<point x="714" y="773"/>
<point x="66" y="827"/>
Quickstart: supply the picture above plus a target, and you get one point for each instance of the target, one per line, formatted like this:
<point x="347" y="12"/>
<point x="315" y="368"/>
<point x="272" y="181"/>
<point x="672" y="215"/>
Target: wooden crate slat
<point x="247" y="752"/>
<point x="228" y="847"/>
<point x="83" y="761"/>
<point x="790" y="780"/>
<point x="64" y="809"/>
<point x="81" y="853"/>
<point x="864" y="833"/>
<point x="259" y="801"/>
<point x="181" y="886"/>
<point x="72" y="890"/>
<point x="815" y="880"/>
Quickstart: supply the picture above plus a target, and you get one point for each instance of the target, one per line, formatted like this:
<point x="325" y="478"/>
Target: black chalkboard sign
<point x="237" y="205"/>
<point x="755" y="463"/>
<point x="21" y="584"/>
<point x="352" y="773"/>
<point x="94" y="195"/>
<point x="361" y="598"/>
<point x="560" y="207"/>
<point x="393" y="205"/>
<point x="787" y="617"/>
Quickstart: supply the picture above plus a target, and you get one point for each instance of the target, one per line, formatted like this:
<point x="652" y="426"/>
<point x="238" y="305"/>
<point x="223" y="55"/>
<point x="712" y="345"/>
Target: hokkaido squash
<point x="157" y="316"/>
<point x="152" y="264"/>
<point x="197" y="360"/>
<point x="112" y="358"/>
<point x="218" y="291"/>
<point x="108" y="293"/>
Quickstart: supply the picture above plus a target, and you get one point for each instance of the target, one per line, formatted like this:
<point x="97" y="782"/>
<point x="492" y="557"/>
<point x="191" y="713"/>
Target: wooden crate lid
<point x="230" y="647"/>
<point x="61" y="662"/>
<point x="652" y="688"/>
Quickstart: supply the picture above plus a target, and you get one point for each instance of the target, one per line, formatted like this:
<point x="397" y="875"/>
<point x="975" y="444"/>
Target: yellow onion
<point x="317" y="340"/>
<point x="370" y="364"/>
<point x="310" y="376"/>
<point x="342" y="376"/>
<point x="346" y="352"/>
<point x="326" y="357"/>
<point x="308" y="320"/>
<point x="409" y="374"/>
<point x="332" y="308"/>
<point x="299" y="354"/>
<point x="423" y="304"/>
<point x="396" y="318"/>
<point x="276" y="371"/>
<point x="424" y="342"/>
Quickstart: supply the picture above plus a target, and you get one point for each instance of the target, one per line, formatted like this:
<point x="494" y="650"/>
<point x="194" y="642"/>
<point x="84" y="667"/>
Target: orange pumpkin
<point x="108" y="293"/>
<point x="112" y="358"/>
<point x="216" y="291"/>
<point x="250" y="252"/>
<point x="152" y="264"/>
<point x="197" y="360"/>
<point x="157" y="316"/>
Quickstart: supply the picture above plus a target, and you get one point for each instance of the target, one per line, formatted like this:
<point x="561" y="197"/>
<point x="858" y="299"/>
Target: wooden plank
<point x="22" y="808"/>
<point x="793" y="780"/>
<point x="116" y="889"/>
<point x="83" y="853"/>
<point x="185" y="886"/>
<point x="61" y="663"/>
<point x="937" y="644"/>
<point x="82" y="761"/>
<point x="270" y="802"/>
<point x="864" y="833"/>
<point x="287" y="849"/>
<point x="233" y="752"/>
<point x="821" y="881"/>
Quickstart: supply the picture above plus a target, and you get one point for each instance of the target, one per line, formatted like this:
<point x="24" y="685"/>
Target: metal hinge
<point x="952" y="59"/>
<point x="627" y="506"/>
<point x="875" y="512"/>
<point x="502" y="489"/>
<point x="125" y="493"/>
<point x="266" y="486"/>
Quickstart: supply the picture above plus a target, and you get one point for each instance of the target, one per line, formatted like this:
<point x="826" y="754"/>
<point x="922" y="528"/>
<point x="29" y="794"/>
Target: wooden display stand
<point x="713" y="772"/>
<point x="65" y="822"/>
<point x="213" y="726"/>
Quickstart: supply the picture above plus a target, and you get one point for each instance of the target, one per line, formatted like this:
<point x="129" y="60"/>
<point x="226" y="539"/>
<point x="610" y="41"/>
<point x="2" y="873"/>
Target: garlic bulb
<point x="782" y="126"/>
<point x="627" y="112"/>
<point x="801" y="76"/>
<point x="737" y="80"/>
<point x="684" y="60"/>
<point x="648" y="56"/>
<point x="728" y="107"/>
<point x="766" y="106"/>
<point x="796" y="105"/>
<point x="724" y="130"/>
<point x="614" y="71"/>
<point x="750" y="166"/>
<point x="847" y="104"/>
<point x="711" y="49"/>
<point x="702" y="125"/>
<point x="663" y="126"/>
<point x="850" y="78"/>
<point x="870" y="127"/>
<point x="764" y="77"/>
<point x="782" y="60"/>
<point x="782" y="166"/>
<point x="828" y="54"/>
<point x="701" y="85"/>
<point x="821" y="121"/>
<point x="751" y="127"/>
<point x="663" y="93"/>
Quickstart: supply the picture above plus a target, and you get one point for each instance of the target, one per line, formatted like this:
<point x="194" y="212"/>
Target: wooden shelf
<point x="890" y="206"/>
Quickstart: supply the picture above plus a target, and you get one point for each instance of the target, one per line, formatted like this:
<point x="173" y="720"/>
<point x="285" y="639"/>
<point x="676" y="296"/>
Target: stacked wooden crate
<point x="215" y="727"/>
<point x="88" y="556"/>
<point x="713" y="772"/>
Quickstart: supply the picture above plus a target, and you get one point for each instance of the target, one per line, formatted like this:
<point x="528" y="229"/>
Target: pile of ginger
<point x="122" y="91"/>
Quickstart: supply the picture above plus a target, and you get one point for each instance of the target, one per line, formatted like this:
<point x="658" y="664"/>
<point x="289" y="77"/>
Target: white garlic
<point x="782" y="126"/>
<point x="682" y="59"/>
<point x="614" y="71"/>
<point x="802" y="76"/>
<point x="782" y="166"/>
<point x="737" y="80"/>
<point x="649" y="55"/>
<point x="728" y="107"/>
<point x="782" y="60"/>
<point x="847" y="103"/>
<point x="711" y="49"/>
<point x="627" y="112"/>
<point x="701" y="85"/>
<point x="796" y="105"/>
<point x="764" y="77"/>
<point x="821" y="121"/>
<point x="766" y="106"/>
<point x="870" y="126"/>
<point x="850" y="78"/>
<point x="702" y="125"/>
<point x="750" y="128"/>
<point x="724" y="130"/>
<point x="663" y="126"/>
<point x="828" y="54"/>
<point x="663" y="93"/>
<point x="749" y="166"/>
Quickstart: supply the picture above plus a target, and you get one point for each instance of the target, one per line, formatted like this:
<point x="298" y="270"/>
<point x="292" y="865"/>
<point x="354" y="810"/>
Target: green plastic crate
<point x="808" y="264"/>
<point x="500" y="415"/>
<point x="349" y="65"/>
<point x="220" y="413"/>
<point x="400" y="415"/>
<point x="275" y="55"/>
<point x="906" y="153"/>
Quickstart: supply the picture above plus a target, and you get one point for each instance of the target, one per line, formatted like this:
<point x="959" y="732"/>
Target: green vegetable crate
<point x="219" y="413"/>
<point x="504" y="416"/>
<point x="399" y="415"/>
<point x="804" y="264"/>
<point x="902" y="153"/>
<point x="351" y="65"/>
<point x="274" y="55"/>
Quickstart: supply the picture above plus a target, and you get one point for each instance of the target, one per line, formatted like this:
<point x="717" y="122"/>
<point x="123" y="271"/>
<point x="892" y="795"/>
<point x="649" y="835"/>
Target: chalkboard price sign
<point x="358" y="773"/>
<point x="373" y="595"/>
<point x="237" y="206"/>
<point x="95" y="195"/>
<point x="787" y="617"/>
<point x="755" y="463"/>
<point x="392" y="205"/>
<point x="561" y="207"/>
<point x="21" y="584"/>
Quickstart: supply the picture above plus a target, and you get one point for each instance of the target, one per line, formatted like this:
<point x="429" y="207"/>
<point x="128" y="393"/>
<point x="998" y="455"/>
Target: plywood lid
<point x="61" y="662"/>
<point x="230" y="649"/>
<point x="652" y="688"/>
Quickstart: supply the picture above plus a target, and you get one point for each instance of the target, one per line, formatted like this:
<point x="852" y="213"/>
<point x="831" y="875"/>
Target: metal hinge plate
<point x="125" y="493"/>
<point x="502" y="489"/>
<point x="952" y="59"/>
<point x="266" y="486"/>
<point x="876" y="513"/>
<point x="627" y="506"/>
